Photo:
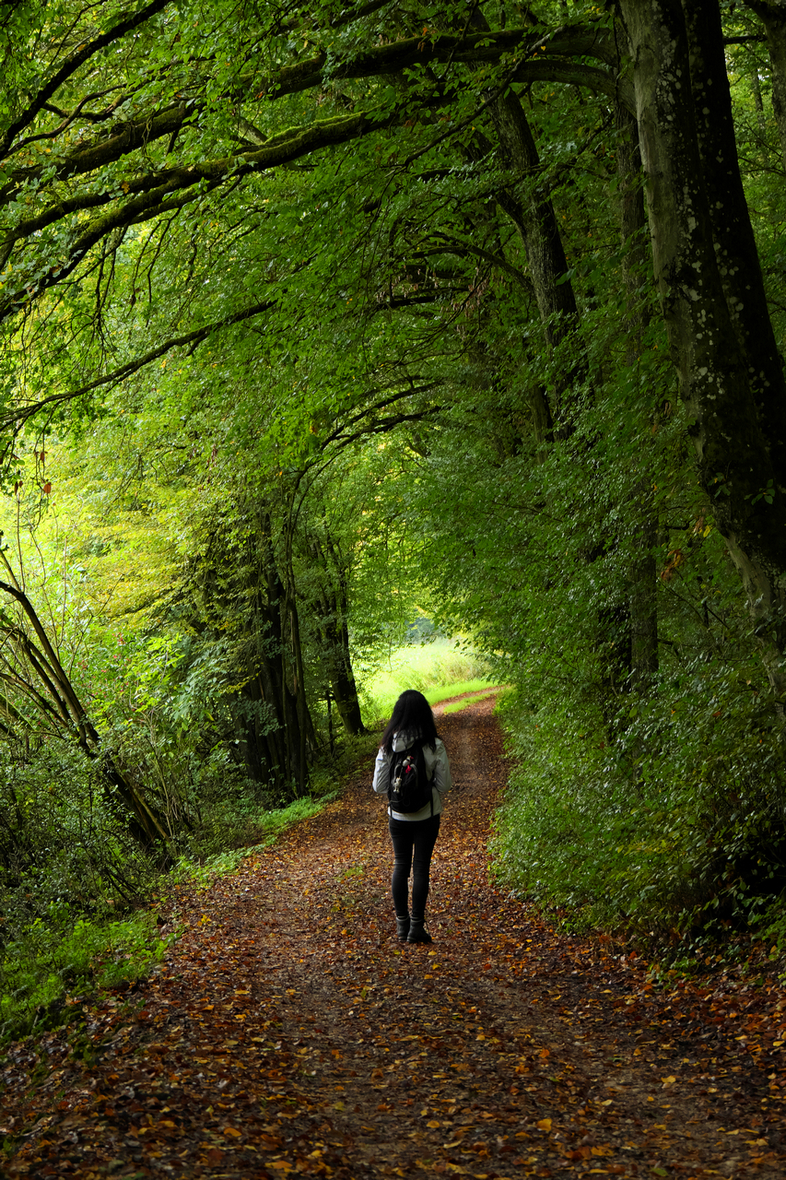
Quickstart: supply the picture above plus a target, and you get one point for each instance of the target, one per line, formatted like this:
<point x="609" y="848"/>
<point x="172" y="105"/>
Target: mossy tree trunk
<point x="330" y="607"/>
<point x="712" y="295"/>
<point x="642" y="574"/>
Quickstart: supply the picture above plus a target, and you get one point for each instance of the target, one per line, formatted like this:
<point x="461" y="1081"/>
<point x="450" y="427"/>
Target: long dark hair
<point x="411" y="715"/>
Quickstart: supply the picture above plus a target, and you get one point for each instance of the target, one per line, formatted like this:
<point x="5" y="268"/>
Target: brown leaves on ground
<point x="290" y="1034"/>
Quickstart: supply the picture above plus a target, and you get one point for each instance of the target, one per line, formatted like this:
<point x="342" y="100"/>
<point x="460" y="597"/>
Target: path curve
<point x="289" y="1033"/>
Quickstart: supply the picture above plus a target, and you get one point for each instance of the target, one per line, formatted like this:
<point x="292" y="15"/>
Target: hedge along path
<point x="289" y="1033"/>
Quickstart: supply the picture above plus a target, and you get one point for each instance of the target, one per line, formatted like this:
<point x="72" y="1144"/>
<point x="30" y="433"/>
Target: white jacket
<point x="437" y="768"/>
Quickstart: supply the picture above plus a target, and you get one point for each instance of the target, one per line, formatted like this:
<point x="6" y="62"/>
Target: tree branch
<point x="382" y="60"/>
<point x="14" y="419"/>
<point x="472" y="48"/>
<point x="289" y="146"/>
<point x="71" y="65"/>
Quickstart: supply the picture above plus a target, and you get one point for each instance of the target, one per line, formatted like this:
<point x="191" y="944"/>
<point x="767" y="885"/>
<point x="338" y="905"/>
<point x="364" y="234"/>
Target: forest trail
<point x="288" y="1033"/>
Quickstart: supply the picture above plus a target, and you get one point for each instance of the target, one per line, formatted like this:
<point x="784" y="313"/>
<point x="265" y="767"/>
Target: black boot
<point x="402" y="928"/>
<point x="418" y="931"/>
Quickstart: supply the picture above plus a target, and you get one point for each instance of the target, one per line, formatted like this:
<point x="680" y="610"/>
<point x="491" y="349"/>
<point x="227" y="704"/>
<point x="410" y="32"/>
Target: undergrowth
<point x="58" y="953"/>
<point x="48" y="964"/>
<point x="668" y="827"/>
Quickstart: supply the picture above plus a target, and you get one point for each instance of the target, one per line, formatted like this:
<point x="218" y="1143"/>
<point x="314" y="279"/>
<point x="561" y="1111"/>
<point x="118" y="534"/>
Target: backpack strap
<point x="421" y="746"/>
<point x="430" y="781"/>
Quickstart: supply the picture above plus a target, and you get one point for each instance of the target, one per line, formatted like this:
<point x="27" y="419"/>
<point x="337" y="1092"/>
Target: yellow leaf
<point x="544" y="1124"/>
<point x="669" y="1081"/>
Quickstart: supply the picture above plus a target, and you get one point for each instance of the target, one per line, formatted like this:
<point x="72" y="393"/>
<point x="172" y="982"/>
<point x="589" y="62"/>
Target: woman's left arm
<point x="443" y="780"/>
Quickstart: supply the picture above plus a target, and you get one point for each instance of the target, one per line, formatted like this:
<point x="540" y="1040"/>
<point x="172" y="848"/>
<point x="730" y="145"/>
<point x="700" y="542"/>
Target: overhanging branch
<point x="71" y="65"/>
<point x="15" y="419"/>
<point x="289" y="146"/>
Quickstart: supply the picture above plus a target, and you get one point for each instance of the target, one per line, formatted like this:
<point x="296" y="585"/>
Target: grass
<point x="44" y="968"/>
<point x="473" y="686"/>
<point x="265" y="824"/>
<point x="440" y="669"/>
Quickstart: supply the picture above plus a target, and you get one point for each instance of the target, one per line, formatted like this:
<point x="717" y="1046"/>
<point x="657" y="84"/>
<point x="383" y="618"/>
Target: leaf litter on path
<point x="288" y="1033"/>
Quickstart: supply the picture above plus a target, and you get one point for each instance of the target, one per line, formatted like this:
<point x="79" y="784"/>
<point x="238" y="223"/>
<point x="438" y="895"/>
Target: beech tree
<point x="712" y="293"/>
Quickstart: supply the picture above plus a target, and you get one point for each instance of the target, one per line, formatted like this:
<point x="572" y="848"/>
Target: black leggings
<point x="418" y="837"/>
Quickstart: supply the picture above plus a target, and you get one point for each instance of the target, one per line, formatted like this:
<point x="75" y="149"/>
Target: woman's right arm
<point x="381" y="773"/>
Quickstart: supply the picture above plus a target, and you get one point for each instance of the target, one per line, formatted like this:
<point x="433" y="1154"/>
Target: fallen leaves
<point x="289" y="1033"/>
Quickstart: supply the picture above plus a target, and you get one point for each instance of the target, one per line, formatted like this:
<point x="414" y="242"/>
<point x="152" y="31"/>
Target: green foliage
<point x="54" y="960"/>
<point x="262" y="826"/>
<point x="62" y="840"/>
<point x="49" y="961"/>
<point x="668" y="825"/>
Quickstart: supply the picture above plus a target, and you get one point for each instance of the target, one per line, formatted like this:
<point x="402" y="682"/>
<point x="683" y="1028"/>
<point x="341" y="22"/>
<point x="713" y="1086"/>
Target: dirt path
<point x="289" y="1033"/>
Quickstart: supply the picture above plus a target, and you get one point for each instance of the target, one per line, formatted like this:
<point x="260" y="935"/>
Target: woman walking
<point x="410" y="747"/>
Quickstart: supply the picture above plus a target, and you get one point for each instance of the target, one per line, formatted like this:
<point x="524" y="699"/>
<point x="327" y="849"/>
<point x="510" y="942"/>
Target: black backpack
<point x="410" y="786"/>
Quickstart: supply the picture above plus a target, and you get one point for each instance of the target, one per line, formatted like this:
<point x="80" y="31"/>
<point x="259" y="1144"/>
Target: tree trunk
<point x="534" y="217"/>
<point x="268" y="703"/>
<point x="773" y="16"/>
<point x="335" y="640"/>
<point x="642" y="574"/>
<point x="259" y="735"/>
<point x="530" y="209"/>
<point x="345" y="692"/>
<point x="286" y="685"/>
<point x="330" y="606"/>
<point x="732" y="232"/>
<point x="738" y="469"/>
<point x="305" y="725"/>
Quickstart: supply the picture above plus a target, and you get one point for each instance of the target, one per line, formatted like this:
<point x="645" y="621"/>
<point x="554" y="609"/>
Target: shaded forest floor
<point x="289" y="1033"/>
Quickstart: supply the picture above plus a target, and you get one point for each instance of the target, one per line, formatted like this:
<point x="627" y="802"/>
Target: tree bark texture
<point x="330" y="607"/>
<point x="732" y="232"/>
<point x="242" y="601"/>
<point x="532" y="212"/>
<point x="730" y="426"/>
<point x="642" y="573"/>
<point x="282" y="681"/>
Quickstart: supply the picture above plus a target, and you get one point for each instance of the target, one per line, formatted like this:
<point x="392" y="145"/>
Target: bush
<point x="56" y="957"/>
<point x="672" y="820"/>
<point x="62" y="840"/>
